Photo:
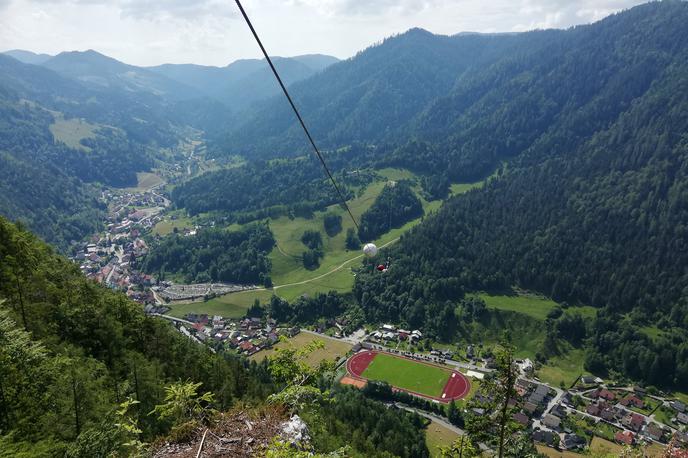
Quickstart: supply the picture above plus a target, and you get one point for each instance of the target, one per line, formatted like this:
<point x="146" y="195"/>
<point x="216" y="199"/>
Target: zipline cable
<point x="296" y="112"/>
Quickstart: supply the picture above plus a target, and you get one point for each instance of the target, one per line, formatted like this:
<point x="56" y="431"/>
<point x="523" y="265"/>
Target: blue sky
<point x="210" y="32"/>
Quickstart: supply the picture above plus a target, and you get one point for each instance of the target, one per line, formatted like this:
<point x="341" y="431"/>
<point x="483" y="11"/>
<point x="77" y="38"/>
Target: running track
<point x="456" y="388"/>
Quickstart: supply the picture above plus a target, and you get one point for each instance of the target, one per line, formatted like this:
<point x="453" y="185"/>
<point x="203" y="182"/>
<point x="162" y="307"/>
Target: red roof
<point x="246" y="345"/>
<point x="625" y="437"/>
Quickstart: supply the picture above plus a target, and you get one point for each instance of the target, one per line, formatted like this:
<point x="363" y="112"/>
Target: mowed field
<point x="72" y="131"/>
<point x="332" y="348"/>
<point x="407" y="374"/>
<point x="146" y="181"/>
<point x="229" y="306"/>
<point x="436" y="436"/>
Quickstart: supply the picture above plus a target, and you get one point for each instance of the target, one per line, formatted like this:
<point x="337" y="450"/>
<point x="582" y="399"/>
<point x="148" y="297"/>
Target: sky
<point x="211" y="32"/>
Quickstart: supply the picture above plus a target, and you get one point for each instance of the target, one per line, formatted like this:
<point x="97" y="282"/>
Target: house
<point x="558" y="411"/>
<point x="388" y="327"/>
<point x="542" y="389"/>
<point x="624" y="437"/>
<point x="608" y="414"/>
<point x="632" y="401"/>
<point x="536" y="398"/>
<point x="573" y="441"/>
<point x="682" y="418"/>
<point x="633" y="421"/>
<point x="522" y="419"/>
<point x="681" y="438"/>
<point x="551" y="421"/>
<point x="678" y="406"/>
<point x="654" y="431"/>
<point x="470" y="352"/>
<point x="589" y="380"/>
<point x="546" y="437"/>
<point x="593" y="409"/>
<point x="246" y="346"/>
<point x="527" y="366"/>
<point x="530" y="407"/>
<point x="604" y="394"/>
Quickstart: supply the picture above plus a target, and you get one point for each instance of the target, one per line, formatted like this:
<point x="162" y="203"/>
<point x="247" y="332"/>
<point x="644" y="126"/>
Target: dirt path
<point x="339" y="267"/>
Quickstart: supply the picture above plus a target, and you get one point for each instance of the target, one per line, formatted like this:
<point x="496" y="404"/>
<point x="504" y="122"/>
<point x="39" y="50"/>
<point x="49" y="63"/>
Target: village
<point x="563" y="419"/>
<point x="112" y="257"/>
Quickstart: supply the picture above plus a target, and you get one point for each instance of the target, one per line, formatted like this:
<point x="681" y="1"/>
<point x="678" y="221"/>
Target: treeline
<point x="396" y="205"/>
<point x="215" y="255"/>
<point x="295" y="187"/>
<point x="72" y="351"/>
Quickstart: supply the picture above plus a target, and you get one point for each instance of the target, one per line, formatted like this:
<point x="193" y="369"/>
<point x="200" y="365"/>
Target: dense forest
<point x="71" y="351"/>
<point x="215" y="255"/>
<point x="260" y="189"/>
<point x="396" y="205"/>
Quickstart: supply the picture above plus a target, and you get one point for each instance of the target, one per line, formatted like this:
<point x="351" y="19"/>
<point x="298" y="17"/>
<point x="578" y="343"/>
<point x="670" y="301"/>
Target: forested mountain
<point x="45" y="179"/>
<point x="270" y="188"/>
<point x="244" y="82"/>
<point x="94" y="68"/>
<point x="592" y="210"/>
<point x="370" y="97"/>
<point x="71" y="351"/>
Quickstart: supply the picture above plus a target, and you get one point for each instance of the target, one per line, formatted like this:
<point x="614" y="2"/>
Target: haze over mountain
<point x="246" y="81"/>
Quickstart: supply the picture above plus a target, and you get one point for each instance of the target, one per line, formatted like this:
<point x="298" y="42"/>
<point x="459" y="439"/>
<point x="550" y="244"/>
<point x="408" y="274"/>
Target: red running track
<point x="456" y="387"/>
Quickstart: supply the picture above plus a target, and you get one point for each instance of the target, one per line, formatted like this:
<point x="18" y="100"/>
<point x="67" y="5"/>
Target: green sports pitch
<point x="408" y="375"/>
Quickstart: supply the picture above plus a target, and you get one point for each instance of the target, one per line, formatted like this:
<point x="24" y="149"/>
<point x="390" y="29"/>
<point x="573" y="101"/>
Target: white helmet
<point x="370" y="250"/>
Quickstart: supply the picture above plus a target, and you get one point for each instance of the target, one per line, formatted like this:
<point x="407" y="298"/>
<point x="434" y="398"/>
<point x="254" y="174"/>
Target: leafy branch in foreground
<point x="183" y="403"/>
<point x="289" y="367"/>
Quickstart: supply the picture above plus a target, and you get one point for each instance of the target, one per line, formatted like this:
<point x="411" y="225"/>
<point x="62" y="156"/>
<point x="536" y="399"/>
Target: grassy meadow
<point x="332" y="348"/>
<point x="436" y="436"/>
<point x="72" y="131"/>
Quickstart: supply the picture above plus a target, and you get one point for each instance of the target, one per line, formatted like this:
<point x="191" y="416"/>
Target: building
<point x="522" y="419"/>
<point x="546" y="437"/>
<point x="551" y="421"/>
<point x="573" y="441"/>
<point x="624" y="437"/>
<point x="678" y="406"/>
<point x="633" y="421"/>
<point x="655" y="432"/>
<point x="632" y="401"/>
<point x="682" y="418"/>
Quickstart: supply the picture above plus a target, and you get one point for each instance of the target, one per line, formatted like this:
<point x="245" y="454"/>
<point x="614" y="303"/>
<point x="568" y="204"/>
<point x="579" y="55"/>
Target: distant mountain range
<point x="237" y="85"/>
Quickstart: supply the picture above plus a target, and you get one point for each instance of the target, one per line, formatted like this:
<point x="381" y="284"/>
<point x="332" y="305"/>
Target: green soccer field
<point x="407" y="374"/>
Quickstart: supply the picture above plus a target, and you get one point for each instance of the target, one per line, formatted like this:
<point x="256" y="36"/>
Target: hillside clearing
<point x="332" y="348"/>
<point x="72" y="131"/>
